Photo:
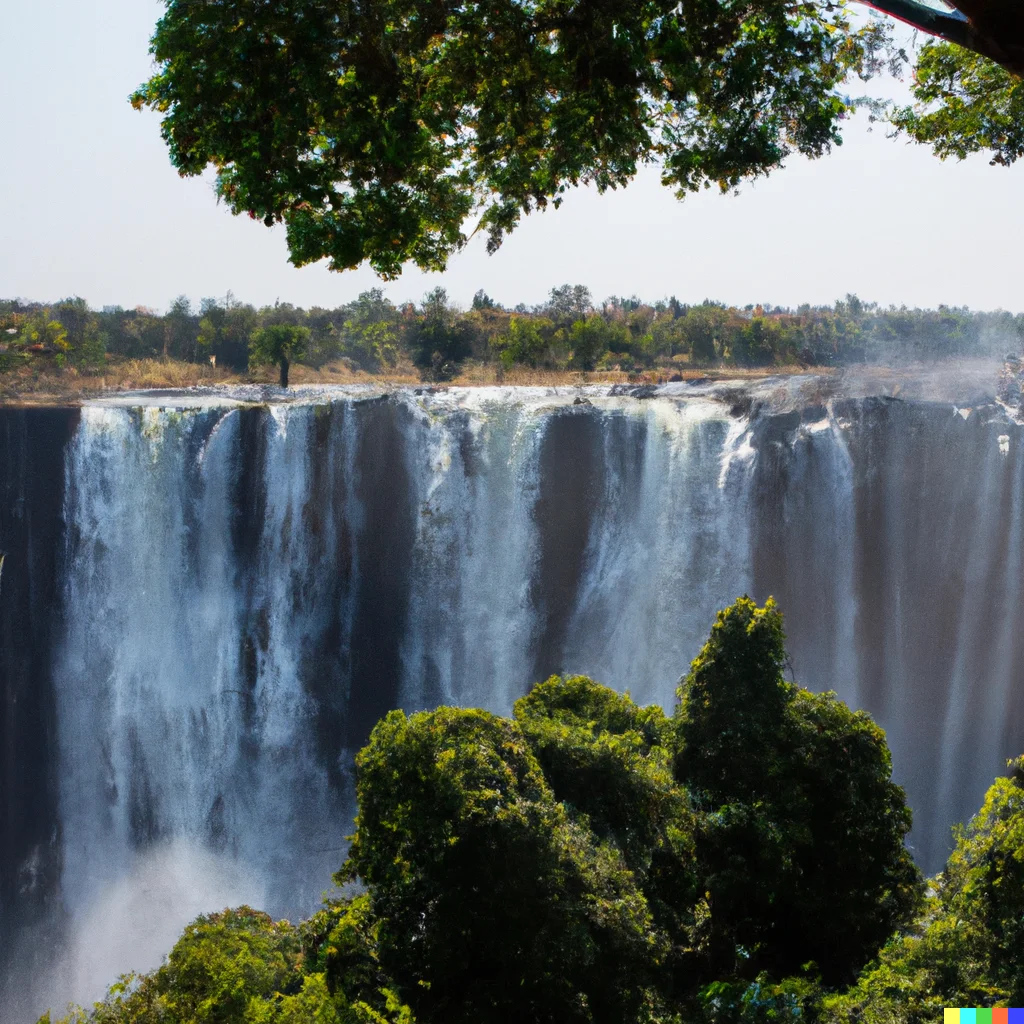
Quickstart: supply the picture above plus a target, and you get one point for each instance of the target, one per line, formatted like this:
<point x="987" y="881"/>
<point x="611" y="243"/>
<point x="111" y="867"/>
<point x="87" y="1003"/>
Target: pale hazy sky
<point x="92" y="207"/>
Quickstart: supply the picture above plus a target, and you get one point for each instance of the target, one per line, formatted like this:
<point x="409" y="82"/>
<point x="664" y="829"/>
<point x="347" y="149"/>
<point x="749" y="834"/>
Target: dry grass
<point x="44" y="383"/>
<point x="342" y="372"/>
<point x="40" y="382"/>
<point x="482" y="374"/>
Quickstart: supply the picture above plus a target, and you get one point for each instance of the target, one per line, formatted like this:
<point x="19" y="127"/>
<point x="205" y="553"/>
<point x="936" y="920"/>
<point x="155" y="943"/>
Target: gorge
<point x="207" y="600"/>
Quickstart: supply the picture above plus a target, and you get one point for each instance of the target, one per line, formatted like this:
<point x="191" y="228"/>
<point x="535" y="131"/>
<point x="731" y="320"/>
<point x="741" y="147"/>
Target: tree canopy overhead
<point x="382" y="131"/>
<point x="387" y="131"/>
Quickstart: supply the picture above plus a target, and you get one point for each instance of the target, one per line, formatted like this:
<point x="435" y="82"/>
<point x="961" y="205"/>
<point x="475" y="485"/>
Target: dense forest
<point x="435" y="338"/>
<point x="593" y="861"/>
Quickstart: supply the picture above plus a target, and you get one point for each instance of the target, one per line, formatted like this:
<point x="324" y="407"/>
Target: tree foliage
<point x="966" y="949"/>
<point x="280" y="344"/>
<point x="372" y="332"/>
<point x="234" y="967"/>
<point x="492" y="903"/>
<point x="965" y="103"/>
<point x="797" y="795"/>
<point x="439" y="338"/>
<point x="610" y="763"/>
<point x="375" y="131"/>
<point x="564" y="332"/>
<point x="526" y="341"/>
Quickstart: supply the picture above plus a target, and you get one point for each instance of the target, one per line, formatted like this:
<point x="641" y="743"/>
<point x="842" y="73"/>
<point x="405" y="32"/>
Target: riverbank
<point x="33" y="385"/>
<point x="963" y="382"/>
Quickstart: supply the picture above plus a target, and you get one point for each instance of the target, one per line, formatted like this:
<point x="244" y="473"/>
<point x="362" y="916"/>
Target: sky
<point x="92" y="207"/>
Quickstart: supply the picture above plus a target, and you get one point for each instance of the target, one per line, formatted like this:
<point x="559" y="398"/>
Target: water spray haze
<point x="131" y="923"/>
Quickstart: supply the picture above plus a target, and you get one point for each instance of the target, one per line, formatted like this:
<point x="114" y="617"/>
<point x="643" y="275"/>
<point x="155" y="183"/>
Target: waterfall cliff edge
<point x="207" y="600"/>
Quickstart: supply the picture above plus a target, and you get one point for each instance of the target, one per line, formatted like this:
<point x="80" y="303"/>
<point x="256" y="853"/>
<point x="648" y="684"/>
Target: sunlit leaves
<point x="966" y="104"/>
<point x="379" y="131"/>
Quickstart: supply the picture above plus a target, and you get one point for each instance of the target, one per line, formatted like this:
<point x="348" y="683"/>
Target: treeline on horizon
<point x="569" y="331"/>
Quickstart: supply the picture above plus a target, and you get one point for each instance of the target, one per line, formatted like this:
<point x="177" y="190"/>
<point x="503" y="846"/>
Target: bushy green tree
<point x="340" y="946"/>
<point x="279" y="344"/>
<point x="604" y="756"/>
<point x="381" y="151"/>
<point x="87" y="343"/>
<point x="223" y="961"/>
<point x="610" y="763"/>
<point x="181" y="330"/>
<point x="370" y="332"/>
<point x="224" y="330"/>
<point x="591" y="860"/>
<point x="144" y="335"/>
<point x="439" y="338"/>
<point x="526" y="341"/>
<point x="233" y="967"/>
<point x="802" y="832"/>
<point x="568" y="303"/>
<point x="481" y="300"/>
<point x="964" y="103"/>
<point x="966" y="951"/>
<point x="701" y="327"/>
<point x="43" y="334"/>
<point x="757" y="343"/>
<point x="588" y="340"/>
<point x="984" y="879"/>
<point x="492" y="904"/>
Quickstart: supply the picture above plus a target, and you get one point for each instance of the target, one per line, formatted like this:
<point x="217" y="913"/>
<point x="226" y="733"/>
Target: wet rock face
<point x="1011" y="383"/>
<point x="203" y="611"/>
<point x="894" y="547"/>
<point x="32" y="447"/>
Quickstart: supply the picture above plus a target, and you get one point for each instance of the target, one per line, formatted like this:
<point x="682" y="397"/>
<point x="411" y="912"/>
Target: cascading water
<point x="239" y="591"/>
<point x="185" y="708"/>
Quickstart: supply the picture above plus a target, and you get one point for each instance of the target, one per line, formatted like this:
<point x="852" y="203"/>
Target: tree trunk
<point x="284" y="372"/>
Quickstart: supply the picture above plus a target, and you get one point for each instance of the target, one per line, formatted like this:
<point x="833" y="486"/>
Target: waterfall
<point x="475" y="479"/>
<point x="238" y="591"/>
<point x="186" y="712"/>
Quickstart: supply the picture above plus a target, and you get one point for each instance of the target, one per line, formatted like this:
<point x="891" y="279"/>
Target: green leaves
<point x="568" y="836"/>
<point x="966" y="949"/>
<point x="490" y="899"/>
<point x="526" y="341"/>
<point x="375" y="131"/>
<point x="606" y="758"/>
<point x="371" y="331"/>
<point x="965" y="104"/>
<point x="801" y="841"/>
<point x="590" y="860"/>
<point x="278" y="343"/>
<point x="439" y="338"/>
<point x="224" y="961"/>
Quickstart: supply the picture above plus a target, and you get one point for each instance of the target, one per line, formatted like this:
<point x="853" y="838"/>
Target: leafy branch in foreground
<point x="376" y="131"/>
<point x="389" y="131"/>
<point x="965" y="104"/>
